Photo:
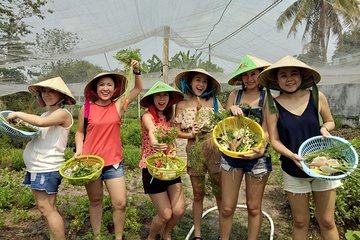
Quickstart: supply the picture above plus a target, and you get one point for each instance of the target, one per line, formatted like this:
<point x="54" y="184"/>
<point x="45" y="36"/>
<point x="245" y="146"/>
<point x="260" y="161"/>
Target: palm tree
<point x="322" y="19"/>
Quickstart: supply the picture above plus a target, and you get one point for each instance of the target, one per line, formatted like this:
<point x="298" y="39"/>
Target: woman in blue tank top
<point x="294" y="118"/>
<point x="255" y="167"/>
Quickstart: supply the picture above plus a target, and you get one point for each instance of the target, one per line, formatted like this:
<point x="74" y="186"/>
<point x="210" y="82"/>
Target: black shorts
<point x="156" y="185"/>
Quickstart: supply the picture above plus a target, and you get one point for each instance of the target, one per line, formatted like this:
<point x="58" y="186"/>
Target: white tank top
<point x="45" y="153"/>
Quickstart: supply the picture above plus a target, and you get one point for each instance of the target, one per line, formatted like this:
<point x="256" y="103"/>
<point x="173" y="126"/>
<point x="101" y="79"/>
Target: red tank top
<point x="103" y="134"/>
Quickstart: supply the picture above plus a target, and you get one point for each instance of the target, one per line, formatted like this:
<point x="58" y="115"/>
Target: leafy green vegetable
<point x="166" y="135"/>
<point x="19" y="124"/>
<point x="81" y="169"/>
<point x="126" y="55"/>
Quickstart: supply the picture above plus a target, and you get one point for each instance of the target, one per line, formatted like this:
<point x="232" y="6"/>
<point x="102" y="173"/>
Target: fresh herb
<point x="218" y="116"/>
<point x="166" y="135"/>
<point x="19" y="124"/>
<point x="239" y="137"/>
<point x="81" y="169"/>
<point x="329" y="161"/>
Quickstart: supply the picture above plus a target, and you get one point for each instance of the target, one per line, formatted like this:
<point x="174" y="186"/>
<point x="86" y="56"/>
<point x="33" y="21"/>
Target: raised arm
<point x="122" y="101"/>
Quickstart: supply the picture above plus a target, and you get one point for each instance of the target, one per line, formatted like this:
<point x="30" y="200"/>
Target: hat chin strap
<point x="184" y="86"/>
<point x="60" y="103"/>
<point x="43" y="104"/>
<point x="153" y="113"/>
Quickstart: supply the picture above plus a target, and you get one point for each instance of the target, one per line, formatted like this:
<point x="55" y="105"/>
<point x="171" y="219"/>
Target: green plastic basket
<point x="162" y="173"/>
<point x="71" y="167"/>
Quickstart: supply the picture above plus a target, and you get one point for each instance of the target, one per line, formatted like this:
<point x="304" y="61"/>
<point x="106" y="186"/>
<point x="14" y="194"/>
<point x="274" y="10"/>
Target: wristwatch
<point x="137" y="73"/>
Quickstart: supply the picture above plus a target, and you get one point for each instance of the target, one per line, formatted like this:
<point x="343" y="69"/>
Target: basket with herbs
<point x="164" y="165"/>
<point x="236" y="136"/>
<point x="82" y="170"/>
<point x="17" y="129"/>
<point x="329" y="158"/>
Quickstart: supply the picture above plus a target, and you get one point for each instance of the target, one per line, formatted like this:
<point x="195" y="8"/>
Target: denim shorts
<point x="307" y="185"/>
<point x="110" y="172"/>
<point x="48" y="181"/>
<point x="255" y="167"/>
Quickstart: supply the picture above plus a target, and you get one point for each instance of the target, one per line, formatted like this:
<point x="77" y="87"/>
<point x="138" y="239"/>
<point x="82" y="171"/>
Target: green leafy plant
<point x="78" y="212"/>
<point x="166" y="135"/>
<point x="11" y="158"/>
<point x="131" y="133"/>
<point x="132" y="156"/>
<point x="19" y="215"/>
<point x="352" y="235"/>
<point x="12" y="192"/>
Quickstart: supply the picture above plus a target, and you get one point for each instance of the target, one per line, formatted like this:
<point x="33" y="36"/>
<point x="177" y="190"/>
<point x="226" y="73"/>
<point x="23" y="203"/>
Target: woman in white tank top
<point x="44" y="154"/>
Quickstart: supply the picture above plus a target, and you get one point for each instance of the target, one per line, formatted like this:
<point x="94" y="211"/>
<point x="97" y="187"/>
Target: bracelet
<point x="325" y="128"/>
<point x="137" y="73"/>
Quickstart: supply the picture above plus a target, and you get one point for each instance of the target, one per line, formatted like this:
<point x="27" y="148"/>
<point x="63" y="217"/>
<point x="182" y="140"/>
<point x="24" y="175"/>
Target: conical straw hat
<point x="175" y="95"/>
<point x="268" y="77"/>
<point x="56" y="84"/>
<point x="247" y="63"/>
<point x="186" y="76"/>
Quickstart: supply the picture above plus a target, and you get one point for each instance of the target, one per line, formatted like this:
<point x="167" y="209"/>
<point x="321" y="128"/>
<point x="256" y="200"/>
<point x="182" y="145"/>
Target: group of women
<point x="299" y="112"/>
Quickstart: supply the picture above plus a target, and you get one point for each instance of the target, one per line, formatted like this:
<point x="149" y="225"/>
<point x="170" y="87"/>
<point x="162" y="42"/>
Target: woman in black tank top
<point x="295" y="117"/>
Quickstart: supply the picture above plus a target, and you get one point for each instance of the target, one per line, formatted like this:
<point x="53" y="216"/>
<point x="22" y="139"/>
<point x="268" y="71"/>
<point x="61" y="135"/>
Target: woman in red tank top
<point x="100" y="121"/>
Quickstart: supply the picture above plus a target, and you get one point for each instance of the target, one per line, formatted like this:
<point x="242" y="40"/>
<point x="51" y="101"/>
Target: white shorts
<point x="307" y="185"/>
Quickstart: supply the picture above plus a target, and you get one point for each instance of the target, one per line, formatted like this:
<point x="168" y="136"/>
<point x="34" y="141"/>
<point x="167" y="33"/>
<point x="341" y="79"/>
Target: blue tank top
<point x="294" y="130"/>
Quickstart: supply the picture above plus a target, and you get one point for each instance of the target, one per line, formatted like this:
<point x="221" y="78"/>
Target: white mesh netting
<point x="233" y="28"/>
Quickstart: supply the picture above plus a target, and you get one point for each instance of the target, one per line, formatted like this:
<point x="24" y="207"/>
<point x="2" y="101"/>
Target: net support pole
<point x="209" y="53"/>
<point x="166" y="54"/>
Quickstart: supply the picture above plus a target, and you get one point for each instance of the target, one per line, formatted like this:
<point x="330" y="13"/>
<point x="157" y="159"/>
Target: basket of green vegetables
<point x="18" y="129"/>
<point x="82" y="170"/>
<point x="236" y="136"/>
<point x="329" y="158"/>
<point x="165" y="167"/>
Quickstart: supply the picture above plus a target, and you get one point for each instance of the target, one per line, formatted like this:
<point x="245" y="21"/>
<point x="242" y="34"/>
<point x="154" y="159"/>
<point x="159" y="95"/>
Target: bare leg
<point x="325" y="210"/>
<point x="95" y="194"/>
<point x="299" y="204"/>
<point x="230" y="185"/>
<point x="164" y="213"/>
<point x="46" y="204"/>
<point x="176" y="197"/>
<point x="197" y="210"/>
<point x="117" y="192"/>
<point x="254" y="194"/>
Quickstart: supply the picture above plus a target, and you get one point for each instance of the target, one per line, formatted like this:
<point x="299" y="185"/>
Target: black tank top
<point x="294" y="130"/>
